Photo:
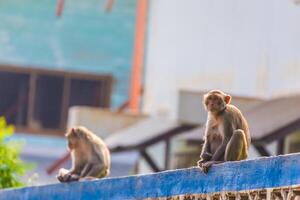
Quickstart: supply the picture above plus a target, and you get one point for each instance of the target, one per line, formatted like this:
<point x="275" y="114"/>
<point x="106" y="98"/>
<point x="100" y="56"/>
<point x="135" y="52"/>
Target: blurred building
<point x="249" y="48"/>
<point x="86" y="38"/>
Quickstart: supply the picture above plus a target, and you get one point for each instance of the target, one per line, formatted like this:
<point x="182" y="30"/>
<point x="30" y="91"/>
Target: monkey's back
<point x="239" y="121"/>
<point x="102" y="149"/>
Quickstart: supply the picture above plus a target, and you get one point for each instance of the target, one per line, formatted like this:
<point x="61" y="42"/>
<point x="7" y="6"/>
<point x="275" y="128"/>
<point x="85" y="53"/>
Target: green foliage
<point x="11" y="167"/>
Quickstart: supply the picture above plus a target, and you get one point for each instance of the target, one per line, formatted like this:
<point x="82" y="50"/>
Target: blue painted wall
<point x="232" y="176"/>
<point x="85" y="38"/>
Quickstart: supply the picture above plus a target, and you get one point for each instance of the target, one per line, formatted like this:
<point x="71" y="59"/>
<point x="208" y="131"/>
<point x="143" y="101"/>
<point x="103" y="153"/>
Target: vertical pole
<point x="138" y="55"/>
<point x="109" y="5"/>
<point x="167" y="154"/>
<point x="65" y="102"/>
<point x="269" y="194"/>
<point x="60" y="7"/>
<point x="31" y="99"/>
<point x="280" y="147"/>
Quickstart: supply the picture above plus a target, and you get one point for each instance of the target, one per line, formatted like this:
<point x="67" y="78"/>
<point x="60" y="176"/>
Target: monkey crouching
<point x="90" y="156"/>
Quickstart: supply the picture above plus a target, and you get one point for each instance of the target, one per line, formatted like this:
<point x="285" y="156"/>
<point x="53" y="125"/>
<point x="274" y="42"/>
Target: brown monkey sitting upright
<point x="227" y="136"/>
<point x="90" y="156"/>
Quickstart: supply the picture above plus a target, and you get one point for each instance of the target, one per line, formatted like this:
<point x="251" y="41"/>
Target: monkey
<point x="227" y="135"/>
<point x="89" y="154"/>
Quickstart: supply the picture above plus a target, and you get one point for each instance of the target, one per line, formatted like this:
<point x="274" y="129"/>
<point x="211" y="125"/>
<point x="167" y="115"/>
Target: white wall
<point x="249" y="47"/>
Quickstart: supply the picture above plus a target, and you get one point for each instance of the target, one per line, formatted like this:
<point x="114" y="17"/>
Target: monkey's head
<point x="75" y="136"/>
<point x="216" y="101"/>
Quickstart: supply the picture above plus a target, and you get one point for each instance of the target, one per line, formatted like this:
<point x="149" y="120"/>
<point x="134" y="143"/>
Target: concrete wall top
<point x="232" y="176"/>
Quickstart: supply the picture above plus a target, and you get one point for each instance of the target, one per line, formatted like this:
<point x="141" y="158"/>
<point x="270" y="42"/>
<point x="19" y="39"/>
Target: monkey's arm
<point x="205" y="153"/>
<point x="220" y="152"/>
<point x="77" y="168"/>
<point x="98" y="162"/>
<point x="95" y="170"/>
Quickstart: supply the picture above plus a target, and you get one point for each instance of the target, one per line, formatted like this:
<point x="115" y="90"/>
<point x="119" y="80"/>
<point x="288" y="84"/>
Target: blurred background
<point x="134" y="72"/>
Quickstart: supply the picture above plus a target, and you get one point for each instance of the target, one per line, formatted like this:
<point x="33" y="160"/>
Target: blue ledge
<point x="252" y="174"/>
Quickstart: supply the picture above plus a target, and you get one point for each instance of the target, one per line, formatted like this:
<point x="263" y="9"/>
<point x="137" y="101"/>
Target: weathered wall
<point x="232" y="176"/>
<point x="244" y="47"/>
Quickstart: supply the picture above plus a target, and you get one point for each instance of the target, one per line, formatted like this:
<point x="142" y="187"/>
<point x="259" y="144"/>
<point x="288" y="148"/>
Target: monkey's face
<point x="214" y="103"/>
<point x="72" y="143"/>
<point x="72" y="138"/>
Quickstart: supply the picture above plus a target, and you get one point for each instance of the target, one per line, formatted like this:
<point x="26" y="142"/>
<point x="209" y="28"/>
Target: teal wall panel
<point x="85" y="38"/>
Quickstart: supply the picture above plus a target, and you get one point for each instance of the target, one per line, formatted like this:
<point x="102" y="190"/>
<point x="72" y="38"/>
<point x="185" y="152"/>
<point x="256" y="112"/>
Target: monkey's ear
<point x="204" y="97"/>
<point x="72" y="132"/>
<point x="227" y="99"/>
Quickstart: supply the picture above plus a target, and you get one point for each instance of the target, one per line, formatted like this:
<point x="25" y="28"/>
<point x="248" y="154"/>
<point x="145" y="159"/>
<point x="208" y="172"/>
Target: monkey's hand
<point x="206" y="156"/>
<point x="68" y="178"/>
<point x="205" y="167"/>
<point x="60" y="178"/>
<point x="73" y="177"/>
<point x="200" y="163"/>
<point x="65" y="175"/>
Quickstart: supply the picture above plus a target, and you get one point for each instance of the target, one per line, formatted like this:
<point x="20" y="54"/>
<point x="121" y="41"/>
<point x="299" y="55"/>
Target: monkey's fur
<point x="90" y="156"/>
<point x="227" y="136"/>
